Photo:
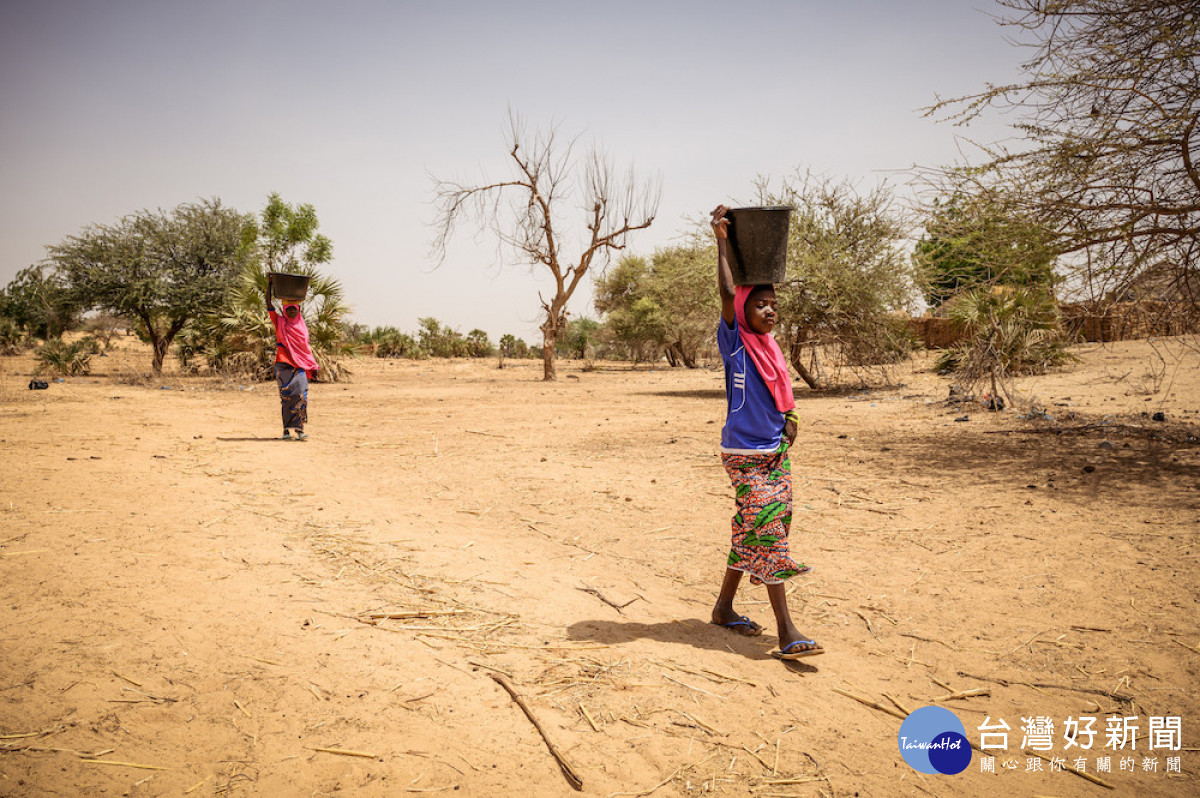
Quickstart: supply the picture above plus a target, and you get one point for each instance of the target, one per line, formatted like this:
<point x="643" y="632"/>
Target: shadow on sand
<point x="688" y="632"/>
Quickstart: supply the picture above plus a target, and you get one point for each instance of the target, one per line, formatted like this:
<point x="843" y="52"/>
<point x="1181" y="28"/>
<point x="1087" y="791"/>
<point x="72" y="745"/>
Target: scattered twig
<point x="867" y="621"/>
<point x="928" y="640"/>
<point x="343" y="752"/>
<point x="123" y="764"/>
<point x="899" y="706"/>
<point x="959" y="694"/>
<point x="1048" y="686"/>
<point x="690" y="687"/>
<point x="591" y="721"/>
<point x="567" y="771"/>
<point x="644" y="793"/>
<point x="868" y="702"/>
<point x="1189" y="648"/>
<point x="618" y="607"/>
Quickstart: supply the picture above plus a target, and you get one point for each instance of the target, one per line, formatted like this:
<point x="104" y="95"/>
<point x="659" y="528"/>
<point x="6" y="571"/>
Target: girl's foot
<point x="300" y="436"/>
<point x="798" y="648"/>
<point x="286" y="436"/>
<point x="738" y="623"/>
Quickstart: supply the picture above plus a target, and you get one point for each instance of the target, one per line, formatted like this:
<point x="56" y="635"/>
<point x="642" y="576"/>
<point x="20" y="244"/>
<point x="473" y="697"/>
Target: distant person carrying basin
<point x="294" y="361"/>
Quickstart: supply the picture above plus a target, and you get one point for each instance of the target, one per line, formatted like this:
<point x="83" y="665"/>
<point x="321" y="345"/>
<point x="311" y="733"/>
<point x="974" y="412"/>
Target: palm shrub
<point x="1008" y="331"/>
<point x="389" y="342"/>
<point x="239" y="338"/>
<point x="70" y="360"/>
<point x="12" y="339"/>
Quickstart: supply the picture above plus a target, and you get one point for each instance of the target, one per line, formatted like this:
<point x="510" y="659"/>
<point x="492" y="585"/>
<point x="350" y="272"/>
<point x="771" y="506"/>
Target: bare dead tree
<point x="524" y="213"/>
<point x="1109" y="159"/>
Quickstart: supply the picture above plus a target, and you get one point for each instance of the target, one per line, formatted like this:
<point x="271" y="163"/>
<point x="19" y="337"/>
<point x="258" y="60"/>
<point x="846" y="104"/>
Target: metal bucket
<point x="758" y="239"/>
<point x="288" y="287"/>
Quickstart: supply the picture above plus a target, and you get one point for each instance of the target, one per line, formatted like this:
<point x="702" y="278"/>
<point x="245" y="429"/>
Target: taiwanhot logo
<point x="933" y="740"/>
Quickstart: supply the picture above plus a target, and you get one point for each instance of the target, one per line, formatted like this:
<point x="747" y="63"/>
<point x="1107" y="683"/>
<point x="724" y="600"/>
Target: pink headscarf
<point x="765" y="352"/>
<point x="293" y="334"/>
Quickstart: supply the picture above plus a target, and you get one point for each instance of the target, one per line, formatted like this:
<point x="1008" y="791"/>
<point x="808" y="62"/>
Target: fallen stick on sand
<point x="618" y="607"/>
<point x="570" y="775"/>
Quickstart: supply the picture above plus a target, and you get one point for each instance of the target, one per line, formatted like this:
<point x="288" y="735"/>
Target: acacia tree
<point x="850" y="277"/>
<point x="39" y="303"/>
<point x="1111" y="135"/>
<point x="981" y="240"/>
<point x="237" y="334"/>
<point x="665" y="302"/>
<point x="160" y="269"/>
<point x="525" y="214"/>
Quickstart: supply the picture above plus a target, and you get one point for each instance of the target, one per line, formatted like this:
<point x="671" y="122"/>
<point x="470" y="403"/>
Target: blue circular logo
<point x="933" y="740"/>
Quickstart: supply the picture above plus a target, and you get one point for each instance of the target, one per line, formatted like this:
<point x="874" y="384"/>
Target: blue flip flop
<point x="786" y="653"/>
<point x="743" y="626"/>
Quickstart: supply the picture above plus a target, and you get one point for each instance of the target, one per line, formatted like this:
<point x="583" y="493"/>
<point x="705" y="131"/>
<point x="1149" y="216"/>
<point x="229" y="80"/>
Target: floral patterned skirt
<point x="763" y="485"/>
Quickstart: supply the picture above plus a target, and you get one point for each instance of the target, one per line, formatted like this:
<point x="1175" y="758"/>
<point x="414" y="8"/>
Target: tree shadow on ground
<point x="1077" y="462"/>
<point x="688" y="632"/>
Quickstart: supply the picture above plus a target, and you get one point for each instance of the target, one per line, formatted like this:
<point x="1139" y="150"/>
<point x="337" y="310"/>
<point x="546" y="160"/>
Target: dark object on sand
<point x="288" y="287"/>
<point x="758" y="240"/>
<point x="38" y="385"/>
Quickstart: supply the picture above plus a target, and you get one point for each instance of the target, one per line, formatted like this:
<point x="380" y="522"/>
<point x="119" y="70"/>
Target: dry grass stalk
<point x="484" y="665"/>
<point x="899" y="706"/>
<point x="868" y="702"/>
<point x="960" y="694"/>
<point x="126" y="678"/>
<point x="1043" y="685"/>
<point x="344" y="752"/>
<point x="396" y="616"/>
<point x="644" y="793"/>
<point x="263" y="661"/>
<point x="1189" y="648"/>
<point x="705" y="672"/>
<point x="123" y="764"/>
<point x="867" y="621"/>
<point x="928" y="640"/>
<point x="588" y="716"/>
<point x="195" y="786"/>
<point x="761" y="761"/>
<point x="697" y="689"/>
<point x="701" y="724"/>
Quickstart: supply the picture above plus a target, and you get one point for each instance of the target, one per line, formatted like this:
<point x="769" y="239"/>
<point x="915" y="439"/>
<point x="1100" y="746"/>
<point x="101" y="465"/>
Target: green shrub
<point x="67" y="359"/>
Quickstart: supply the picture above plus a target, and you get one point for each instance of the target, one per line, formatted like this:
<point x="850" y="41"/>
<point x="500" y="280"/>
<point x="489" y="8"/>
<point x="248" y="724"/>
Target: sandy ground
<point x="189" y="606"/>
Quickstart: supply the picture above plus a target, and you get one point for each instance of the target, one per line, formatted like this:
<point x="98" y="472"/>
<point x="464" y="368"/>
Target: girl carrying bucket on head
<point x="760" y="426"/>
<point x="294" y="363"/>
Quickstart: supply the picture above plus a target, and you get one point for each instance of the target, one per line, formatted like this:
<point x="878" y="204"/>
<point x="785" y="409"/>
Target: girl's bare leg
<point x="787" y="631"/>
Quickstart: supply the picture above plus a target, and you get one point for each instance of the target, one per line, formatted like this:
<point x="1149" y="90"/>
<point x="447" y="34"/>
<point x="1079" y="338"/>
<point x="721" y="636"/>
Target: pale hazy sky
<point x="110" y="107"/>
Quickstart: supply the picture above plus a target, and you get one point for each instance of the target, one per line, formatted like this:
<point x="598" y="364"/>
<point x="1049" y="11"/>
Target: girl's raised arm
<point x="725" y="284"/>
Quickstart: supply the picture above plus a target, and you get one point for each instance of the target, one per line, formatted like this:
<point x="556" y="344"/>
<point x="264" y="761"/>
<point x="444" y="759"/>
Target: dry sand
<point x="191" y="607"/>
